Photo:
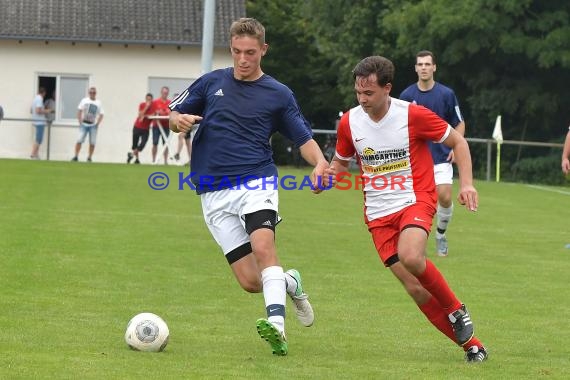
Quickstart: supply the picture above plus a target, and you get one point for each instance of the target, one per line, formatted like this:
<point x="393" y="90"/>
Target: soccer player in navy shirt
<point x="441" y="100"/>
<point x="238" y="109"/>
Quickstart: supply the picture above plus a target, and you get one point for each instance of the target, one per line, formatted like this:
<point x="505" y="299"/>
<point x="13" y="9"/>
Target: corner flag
<point x="498" y="132"/>
<point x="498" y="137"/>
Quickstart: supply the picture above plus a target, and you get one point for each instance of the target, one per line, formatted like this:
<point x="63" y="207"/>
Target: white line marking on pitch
<point x="549" y="189"/>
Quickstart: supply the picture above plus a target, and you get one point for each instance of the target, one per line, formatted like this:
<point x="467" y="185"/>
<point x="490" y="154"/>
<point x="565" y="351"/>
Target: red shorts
<point x="386" y="230"/>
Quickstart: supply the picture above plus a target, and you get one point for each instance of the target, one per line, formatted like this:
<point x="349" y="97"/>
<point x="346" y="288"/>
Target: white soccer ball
<point x="147" y="332"/>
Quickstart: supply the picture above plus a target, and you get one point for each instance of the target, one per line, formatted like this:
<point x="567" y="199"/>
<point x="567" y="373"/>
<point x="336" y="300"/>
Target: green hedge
<point x="544" y="170"/>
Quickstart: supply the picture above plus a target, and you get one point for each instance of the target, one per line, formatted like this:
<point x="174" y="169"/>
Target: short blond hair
<point x="249" y="27"/>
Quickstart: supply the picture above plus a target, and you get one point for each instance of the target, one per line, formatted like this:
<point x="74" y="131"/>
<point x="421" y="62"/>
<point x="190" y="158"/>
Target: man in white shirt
<point x="89" y="115"/>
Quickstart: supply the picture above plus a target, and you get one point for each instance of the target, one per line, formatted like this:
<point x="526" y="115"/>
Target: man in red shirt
<point x="141" y="129"/>
<point x="390" y="140"/>
<point x="161" y="109"/>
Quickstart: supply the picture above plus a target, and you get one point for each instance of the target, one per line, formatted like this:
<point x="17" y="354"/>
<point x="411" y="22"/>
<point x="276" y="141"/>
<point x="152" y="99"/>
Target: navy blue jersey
<point x="239" y="117"/>
<point x="441" y="100"/>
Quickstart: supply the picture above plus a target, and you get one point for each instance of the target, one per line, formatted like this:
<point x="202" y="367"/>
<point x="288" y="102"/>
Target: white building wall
<point x="121" y="75"/>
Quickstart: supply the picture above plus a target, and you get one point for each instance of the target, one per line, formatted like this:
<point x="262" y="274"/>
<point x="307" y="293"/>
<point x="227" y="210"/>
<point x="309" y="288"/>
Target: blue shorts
<point x="39" y="133"/>
<point x="84" y="129"/>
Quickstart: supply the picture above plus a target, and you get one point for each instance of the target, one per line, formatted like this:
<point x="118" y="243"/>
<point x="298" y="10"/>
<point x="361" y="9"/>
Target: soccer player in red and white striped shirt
<point x="390" y="140"/>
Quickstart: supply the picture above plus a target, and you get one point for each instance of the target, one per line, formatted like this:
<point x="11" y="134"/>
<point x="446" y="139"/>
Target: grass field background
<point x="84" y="247"/>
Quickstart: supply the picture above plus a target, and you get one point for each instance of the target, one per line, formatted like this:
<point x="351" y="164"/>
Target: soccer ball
<point x="147" y="332"/>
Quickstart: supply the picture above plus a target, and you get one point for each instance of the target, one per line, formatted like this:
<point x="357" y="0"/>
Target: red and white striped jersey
<point x="394" y="156"/>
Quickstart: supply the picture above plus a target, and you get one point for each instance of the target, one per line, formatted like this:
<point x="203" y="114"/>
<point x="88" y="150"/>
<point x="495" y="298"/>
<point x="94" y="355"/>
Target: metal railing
<point x="488" y="142"/>
<point x="48" y="126"/>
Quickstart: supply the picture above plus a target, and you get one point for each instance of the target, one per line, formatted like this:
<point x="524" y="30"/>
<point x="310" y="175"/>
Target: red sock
<point x="435" y="283"/>
<point x="438" y="317"/>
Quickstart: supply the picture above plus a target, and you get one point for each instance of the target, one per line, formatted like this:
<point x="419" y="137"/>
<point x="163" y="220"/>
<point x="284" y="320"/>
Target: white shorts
<point x="225" y="210"/>
<point x="443" y="173"/>
<point x="193" y="131"/>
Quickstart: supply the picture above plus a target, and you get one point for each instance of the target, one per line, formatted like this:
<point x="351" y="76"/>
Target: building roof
<point x="169" y="22"/>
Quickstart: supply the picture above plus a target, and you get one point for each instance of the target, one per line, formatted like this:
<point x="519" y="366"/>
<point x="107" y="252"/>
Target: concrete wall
<point x="121" y="75"/>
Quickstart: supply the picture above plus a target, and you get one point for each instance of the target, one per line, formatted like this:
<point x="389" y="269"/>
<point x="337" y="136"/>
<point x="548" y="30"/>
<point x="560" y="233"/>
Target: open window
<point x="67" y="91"/>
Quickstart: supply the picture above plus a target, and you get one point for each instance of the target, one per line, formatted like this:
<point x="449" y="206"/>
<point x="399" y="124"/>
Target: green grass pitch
<point x="84" y="247"/>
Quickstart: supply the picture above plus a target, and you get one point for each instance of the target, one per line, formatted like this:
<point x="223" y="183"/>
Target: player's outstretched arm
<point x="338" y="166"/>
<point x="467" y="193"/>
<point x="313" y="154"/>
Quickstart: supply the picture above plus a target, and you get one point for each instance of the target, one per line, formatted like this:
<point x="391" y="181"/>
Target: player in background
<point x="441" y="100"/>
<point x="566" y="154"/>
<point x="238" y="109"/>
<point x="390" y="139"/>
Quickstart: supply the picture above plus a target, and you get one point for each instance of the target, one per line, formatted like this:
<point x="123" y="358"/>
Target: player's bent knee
<point x="245" y="269"/>
<point x="445" y="201"/>
<point x="413" y="263"/>
<point x="265" y="253"/>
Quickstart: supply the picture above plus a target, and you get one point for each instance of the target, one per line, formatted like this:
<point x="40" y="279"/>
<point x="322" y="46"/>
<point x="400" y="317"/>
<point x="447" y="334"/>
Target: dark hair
<point x="249" y="27"/>
<point x="382" y="67"/>
<point x="426" y="53"/>
<point x="149" y="94"/>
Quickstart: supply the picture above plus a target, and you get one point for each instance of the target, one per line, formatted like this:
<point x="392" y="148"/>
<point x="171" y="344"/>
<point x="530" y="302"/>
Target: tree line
<point x="508" y="57"/>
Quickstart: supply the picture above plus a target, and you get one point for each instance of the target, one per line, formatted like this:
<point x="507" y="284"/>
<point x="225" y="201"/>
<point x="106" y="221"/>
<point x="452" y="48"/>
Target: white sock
<point x="443" y="218"/>
<point x="274" y="284"/>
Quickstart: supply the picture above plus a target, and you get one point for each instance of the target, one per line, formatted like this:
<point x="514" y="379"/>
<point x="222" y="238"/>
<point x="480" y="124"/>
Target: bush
<point x="545" y="170"/>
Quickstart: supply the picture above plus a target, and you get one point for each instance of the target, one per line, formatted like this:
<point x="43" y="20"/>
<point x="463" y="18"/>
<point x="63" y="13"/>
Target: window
<point x="71" y="91"/>
<point x="175" y="85"/>
<point x="67" y="90"/>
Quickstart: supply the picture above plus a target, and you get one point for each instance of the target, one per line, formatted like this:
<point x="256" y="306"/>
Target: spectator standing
<point x="161" y="126"/>
<point x="141" y="129"/>
<point x="89" y="116"/>
<point x="39" y="116"/>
